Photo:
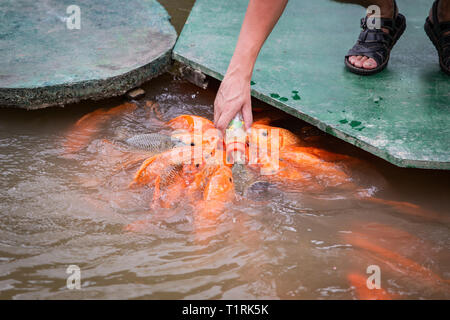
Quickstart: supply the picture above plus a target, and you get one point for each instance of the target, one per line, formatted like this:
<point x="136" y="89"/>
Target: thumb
<point x="224" y="119"/>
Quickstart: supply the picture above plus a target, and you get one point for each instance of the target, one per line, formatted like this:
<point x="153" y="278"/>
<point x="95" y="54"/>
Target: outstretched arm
<point x="234" y="92"/>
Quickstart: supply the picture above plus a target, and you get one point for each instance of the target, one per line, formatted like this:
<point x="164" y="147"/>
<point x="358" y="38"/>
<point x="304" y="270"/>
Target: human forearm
<point x="234" y="92"/>
<point x="260" y="18"/>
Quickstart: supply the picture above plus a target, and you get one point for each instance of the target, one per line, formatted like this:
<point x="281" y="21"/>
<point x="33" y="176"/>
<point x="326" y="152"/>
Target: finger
<point x="247" y="115"/>
<point x="225" y="118"/>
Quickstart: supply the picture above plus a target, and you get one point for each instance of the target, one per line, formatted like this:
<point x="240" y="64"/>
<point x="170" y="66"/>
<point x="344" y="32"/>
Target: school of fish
<point x="188" y="162"/>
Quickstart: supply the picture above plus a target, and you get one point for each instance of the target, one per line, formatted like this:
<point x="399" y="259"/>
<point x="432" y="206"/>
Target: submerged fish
<point x="243" y="178"/>
<point x="155" y="142"/>
<point x="190" y="123"/>
<point x="83" y="131"/>
<point x="169" y="186"/>
<point x="394" y="260"/>
<point x="219" y="191"/>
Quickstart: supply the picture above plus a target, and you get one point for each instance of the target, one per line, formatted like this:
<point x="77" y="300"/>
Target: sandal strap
<point x="387" y="23"/>
<point x="375" y="43"/>
<point x="377" y="52"/>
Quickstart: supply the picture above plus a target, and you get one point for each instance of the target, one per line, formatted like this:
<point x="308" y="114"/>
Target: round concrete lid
<point x="53" y="53"/>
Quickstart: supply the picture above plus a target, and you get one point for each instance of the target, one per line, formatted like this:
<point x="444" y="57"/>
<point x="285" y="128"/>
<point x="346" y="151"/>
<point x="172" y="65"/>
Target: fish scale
<point x="170" y="173"/>
<point x="153" y="142"/>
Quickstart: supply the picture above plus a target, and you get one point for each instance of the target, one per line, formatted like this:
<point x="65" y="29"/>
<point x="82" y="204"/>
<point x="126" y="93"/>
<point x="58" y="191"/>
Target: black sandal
<point x="377" y="44"/>
<point x="436" y="34"/>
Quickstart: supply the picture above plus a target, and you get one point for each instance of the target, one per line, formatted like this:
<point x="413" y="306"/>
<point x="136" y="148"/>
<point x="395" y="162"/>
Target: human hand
<point x="233" y="96"/>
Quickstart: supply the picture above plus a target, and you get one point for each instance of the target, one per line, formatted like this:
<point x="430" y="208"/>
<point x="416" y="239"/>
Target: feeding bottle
<point x="235" y="141"/>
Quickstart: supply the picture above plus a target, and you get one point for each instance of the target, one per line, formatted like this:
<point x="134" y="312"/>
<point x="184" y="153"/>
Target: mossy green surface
<point x="118" y="47"/>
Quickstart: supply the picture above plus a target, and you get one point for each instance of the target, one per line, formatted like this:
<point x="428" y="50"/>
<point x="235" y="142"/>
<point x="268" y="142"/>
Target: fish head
<point x="264" y="136"/>
<point x="209" y="138"/>
<point x="220" y="185"/>
<point x="185" y="137"/>
<point x="190" y="123"/>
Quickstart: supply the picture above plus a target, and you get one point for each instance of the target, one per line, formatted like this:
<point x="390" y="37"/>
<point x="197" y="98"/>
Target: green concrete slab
<point x="43" y="62"/>
<point x="401" y="114"/>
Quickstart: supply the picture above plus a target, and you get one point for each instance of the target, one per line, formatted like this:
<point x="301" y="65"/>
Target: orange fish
<point x="199" y="133"/>
<point x="200" y="180"/>
<point x="326" y="173"/>
<point x="410" y="209"/>
<point x="379" y="231"/>
<point x="208" y="143"/>
<point x="220" y="186"/>
<point x="169" y="185"/>
<point x="213" y="183"/>
<point x="190" y="123"/>
<point x="326" y="155"/>
<point x="394" y="260"/>
<point x="218" y="192"/>
<point x="287" y="175"/>
<point x="263" y="121"/>
<point x="261" y="133"/>
<point x="267" y="116"/>
<point x="81" y="133"/>
<point x="83" y="130"/>
<point x="152" y="167"/>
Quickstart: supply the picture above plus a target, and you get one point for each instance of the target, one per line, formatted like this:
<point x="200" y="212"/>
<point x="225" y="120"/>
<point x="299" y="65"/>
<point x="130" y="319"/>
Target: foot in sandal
<point x="371" y="52"/>
<point x="437" y="27"/>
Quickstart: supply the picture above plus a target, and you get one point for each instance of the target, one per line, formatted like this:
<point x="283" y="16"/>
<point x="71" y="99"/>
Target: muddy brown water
<point x="56" y="212"/>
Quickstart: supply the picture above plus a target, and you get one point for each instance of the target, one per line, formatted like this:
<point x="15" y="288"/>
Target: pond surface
<point x="57" y="211"/>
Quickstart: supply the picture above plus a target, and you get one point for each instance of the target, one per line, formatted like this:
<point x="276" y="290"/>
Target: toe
<point x="351" y="59"/>
<point x="355" y="60"/>
<point x="359" y="63"/>
<point x="370" y="64"/>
